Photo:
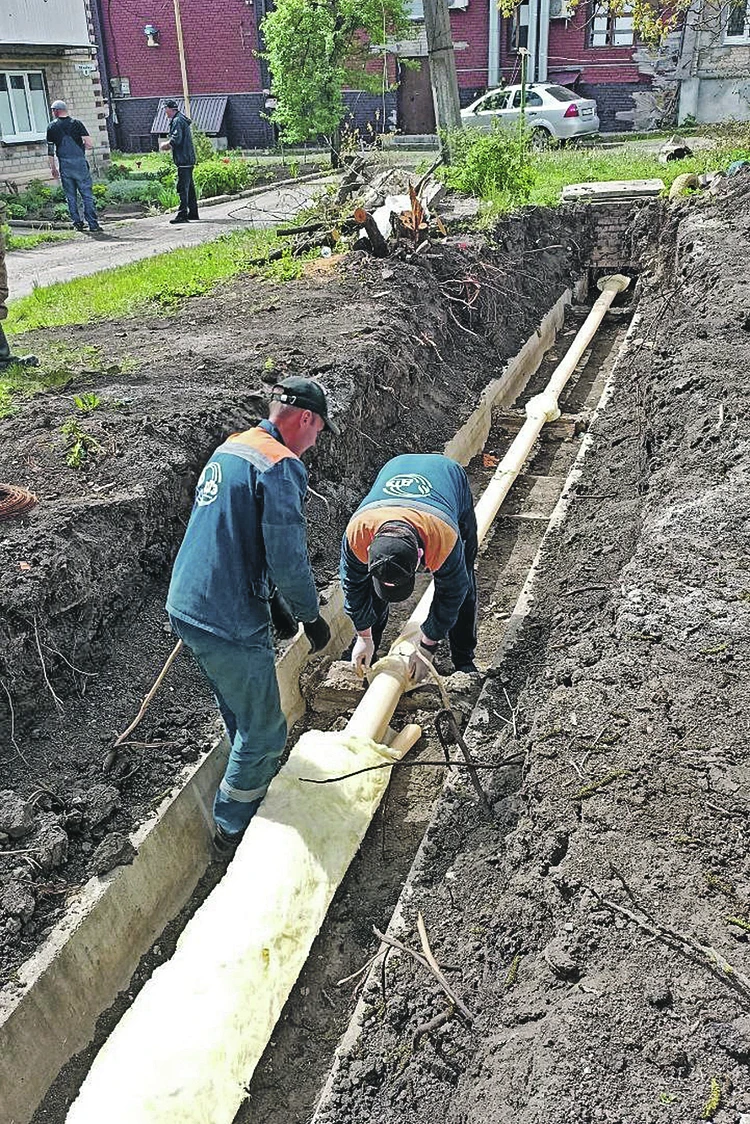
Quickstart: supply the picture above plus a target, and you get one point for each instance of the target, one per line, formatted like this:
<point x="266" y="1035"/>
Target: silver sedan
<point x="551" y="111"/>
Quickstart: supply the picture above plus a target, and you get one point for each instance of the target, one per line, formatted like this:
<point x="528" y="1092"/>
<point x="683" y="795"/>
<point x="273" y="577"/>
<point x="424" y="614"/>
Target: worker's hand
<point x="164" y="146"/>
<point x="318" y="633"/>
<point x="55" y="173"/>
<point x="284" y="621"/>
<point x="420" y="661"/>
<point x="362" y="652"/>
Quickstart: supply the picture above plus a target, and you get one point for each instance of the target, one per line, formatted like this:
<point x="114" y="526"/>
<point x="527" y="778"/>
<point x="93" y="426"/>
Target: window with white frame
<point x="415" y="8"/>
<point x="608" y="30"/>
<point x="23" y="105"/>
<point x="738" y="22"/>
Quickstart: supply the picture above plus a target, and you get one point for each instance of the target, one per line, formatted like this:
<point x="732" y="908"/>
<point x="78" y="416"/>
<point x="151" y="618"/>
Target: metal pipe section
<point x="493" y="46"/>
<point x="390" y="680"/>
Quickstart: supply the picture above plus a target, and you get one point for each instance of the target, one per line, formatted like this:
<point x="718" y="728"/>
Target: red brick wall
<point x="471" y="26"/>
<point x="569" y="50"/>
<point x="220" y="37"/>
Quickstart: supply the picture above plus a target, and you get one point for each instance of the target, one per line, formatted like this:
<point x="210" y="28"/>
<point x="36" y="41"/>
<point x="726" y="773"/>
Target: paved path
<point x="141" y="238"/>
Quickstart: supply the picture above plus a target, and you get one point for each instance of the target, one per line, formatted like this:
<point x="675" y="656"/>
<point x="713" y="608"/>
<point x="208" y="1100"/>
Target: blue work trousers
<point x="75" y="178"/>
<point x="243" y="679"/>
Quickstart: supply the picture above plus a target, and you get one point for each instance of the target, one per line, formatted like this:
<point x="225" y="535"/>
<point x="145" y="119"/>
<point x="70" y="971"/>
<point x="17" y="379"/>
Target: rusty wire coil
<point x="15" y="501"/>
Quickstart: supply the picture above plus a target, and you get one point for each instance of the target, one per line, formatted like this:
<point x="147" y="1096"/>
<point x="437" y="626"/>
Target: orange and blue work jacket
<point x="246" y="535"/>
<point x="431" y="493"/>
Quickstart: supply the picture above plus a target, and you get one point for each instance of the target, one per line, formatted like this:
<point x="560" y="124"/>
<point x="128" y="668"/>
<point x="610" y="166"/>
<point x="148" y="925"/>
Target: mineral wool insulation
<point x="185" y="1050"/>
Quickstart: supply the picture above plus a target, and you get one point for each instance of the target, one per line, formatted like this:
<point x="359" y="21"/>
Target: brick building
<point x="229" y="84"/>
<point x="47" y="52"/>
<point x="715" y="63"/>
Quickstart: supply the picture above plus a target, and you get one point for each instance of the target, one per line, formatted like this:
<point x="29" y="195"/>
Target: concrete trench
<point x="55" y="1015"/>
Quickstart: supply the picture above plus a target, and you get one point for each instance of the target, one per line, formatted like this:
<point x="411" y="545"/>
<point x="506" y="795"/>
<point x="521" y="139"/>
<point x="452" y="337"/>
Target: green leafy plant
<point x="317" y="50"/>
<point x="17" y="210"/>
<point x="101" y="193"/>
<point x="87" y="402"/>
<point x="60" y="212"/>
<point x="293" y="169"/>
<point x="493" y="165"/>
<point x="167" y="198"/>
<point x="79" y="444"/>
<point x="204" y="150"/>
<point x="222" y="176"/>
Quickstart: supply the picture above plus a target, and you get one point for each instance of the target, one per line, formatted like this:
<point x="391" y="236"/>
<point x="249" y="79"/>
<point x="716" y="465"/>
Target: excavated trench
<point x="406" y="375"/>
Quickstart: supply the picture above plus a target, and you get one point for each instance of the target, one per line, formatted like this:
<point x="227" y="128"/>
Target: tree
<point x="317" y="48"/>
<point x="653" y="20"/>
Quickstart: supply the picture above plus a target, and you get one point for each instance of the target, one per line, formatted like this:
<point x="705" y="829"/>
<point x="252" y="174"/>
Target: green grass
<point x="555" y="169"/>
<point x="139" y="162"/>
<point x="162" y="281"/>
<point x="59" y="364"/>
<point x="15" y="241"/>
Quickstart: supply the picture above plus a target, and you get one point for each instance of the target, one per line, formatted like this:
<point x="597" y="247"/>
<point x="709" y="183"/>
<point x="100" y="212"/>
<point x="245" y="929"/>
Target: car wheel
<point x="540" y="139"/>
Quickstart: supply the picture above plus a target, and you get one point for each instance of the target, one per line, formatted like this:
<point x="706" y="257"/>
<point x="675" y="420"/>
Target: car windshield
<point x="561" y="93"/>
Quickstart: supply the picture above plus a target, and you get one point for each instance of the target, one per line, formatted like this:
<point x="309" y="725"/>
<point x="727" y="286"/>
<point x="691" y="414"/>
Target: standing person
<point x="243" y="563"/>
<point x="68" y="141"/>
<point x="183" y="153"/>
<point x="419" y="514"/>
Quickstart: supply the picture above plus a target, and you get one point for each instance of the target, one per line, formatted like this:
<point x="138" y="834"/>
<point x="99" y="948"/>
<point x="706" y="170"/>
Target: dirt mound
<point x="597" y="925"/>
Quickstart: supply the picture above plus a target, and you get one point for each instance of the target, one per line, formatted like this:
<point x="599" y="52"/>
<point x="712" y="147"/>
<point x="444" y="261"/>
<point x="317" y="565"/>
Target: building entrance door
<point x="416" y="112"/>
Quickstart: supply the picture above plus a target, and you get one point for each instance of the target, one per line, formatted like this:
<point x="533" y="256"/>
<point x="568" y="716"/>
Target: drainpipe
<point x="493" y="47"/>
<point x="184" y="1052"/>
<point x="543" y="33"/>
<point x="532" y="44"/>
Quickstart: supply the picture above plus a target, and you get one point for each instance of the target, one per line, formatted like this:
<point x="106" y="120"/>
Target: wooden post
<point x="181" y="49"/>
<point x="442" y="67"/>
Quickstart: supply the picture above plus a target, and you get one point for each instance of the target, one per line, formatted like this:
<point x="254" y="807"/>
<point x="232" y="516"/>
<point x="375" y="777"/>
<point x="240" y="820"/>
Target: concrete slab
<point x="614" y="189"/>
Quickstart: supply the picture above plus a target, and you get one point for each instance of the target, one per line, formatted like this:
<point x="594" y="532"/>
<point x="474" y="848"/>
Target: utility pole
<point x="442" y="65"/>
<point x="181" y="49"/>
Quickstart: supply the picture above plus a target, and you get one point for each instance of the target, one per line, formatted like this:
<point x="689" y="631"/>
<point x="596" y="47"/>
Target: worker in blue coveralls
<point x="418" y="515"/>
<point x="243" y="563"/>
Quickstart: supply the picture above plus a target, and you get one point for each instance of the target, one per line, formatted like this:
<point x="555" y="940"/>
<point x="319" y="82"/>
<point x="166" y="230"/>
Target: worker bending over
<point x="418" y="515"/>
<point x="244" y="560"/>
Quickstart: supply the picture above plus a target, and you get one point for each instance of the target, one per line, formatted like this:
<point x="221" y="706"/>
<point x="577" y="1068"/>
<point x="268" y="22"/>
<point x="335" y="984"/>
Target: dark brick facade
<point x="611" y="99"/>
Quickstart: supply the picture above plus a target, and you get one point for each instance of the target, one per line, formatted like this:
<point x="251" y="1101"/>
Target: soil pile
<point x="597" y="924"/>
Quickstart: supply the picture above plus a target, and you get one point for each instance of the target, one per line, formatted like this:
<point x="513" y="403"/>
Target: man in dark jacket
<point x="183" y="153"/>
<point x="419" y="514"/>
<point x="67" y="143"/>
<point x="244" y="561"/>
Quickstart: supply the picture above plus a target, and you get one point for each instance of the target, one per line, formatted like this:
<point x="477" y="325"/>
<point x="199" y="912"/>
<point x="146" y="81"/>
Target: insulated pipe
<point x="390" y="680"/>
<point x="184" y="1052"/>
<point x="493" y="45"/>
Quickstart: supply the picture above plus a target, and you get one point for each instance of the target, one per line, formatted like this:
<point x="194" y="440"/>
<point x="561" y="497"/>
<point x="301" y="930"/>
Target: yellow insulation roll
<point x="188" y="1046"/>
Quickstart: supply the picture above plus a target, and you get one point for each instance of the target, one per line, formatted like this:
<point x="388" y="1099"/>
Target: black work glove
<point x="318" y="633"/>
<point x="284" y="621"/>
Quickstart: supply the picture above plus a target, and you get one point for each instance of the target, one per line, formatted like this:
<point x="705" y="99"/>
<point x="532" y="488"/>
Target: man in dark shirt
<point x="181" y="143"/>
<point x="67" y="142"/>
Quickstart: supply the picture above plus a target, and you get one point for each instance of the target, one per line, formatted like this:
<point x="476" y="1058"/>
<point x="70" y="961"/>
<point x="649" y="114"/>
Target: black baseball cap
<point x="170" y="103"/>
<point x="392" y="561"/>
<point x="305" y="394"/>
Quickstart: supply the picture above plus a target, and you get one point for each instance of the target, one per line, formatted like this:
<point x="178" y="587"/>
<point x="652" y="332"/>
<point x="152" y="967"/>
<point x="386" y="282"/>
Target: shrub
<point x="60" y="212"/>
<point x="101" y="193"/>
<point x="134" y="191"/>
<point x="204" y="150"/>
<point x="117" y="172"/>
<point x="222" y="177"/>
<point x="490" y="164"/>
<point x="17" y="210"/>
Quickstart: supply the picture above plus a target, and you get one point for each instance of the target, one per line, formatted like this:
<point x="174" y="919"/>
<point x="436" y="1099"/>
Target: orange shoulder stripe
<point x="438" y="537"/>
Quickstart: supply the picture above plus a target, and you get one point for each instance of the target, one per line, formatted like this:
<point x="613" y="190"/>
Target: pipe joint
<point x="543" y="406"/>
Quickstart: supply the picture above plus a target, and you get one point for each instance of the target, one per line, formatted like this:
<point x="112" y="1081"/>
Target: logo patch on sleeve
<point x="208" y="484"/>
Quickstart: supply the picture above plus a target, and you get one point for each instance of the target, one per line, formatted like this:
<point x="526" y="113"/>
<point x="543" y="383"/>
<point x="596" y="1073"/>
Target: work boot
<point x="225" y="842"/>
<point x="178" y="219"/>
<point x="468" y="668"/>
<point x="79" y="227"/>
<point x="7" y="359"/>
